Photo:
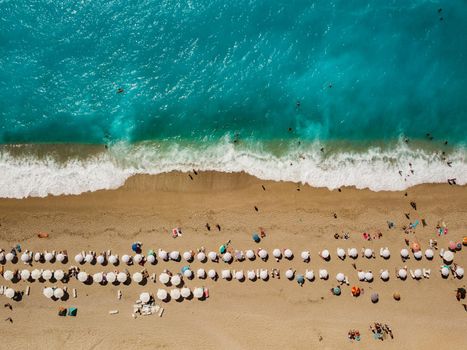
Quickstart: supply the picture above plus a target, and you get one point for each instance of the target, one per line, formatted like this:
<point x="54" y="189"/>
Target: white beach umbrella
<point x="340" y="277"/>
<point x="226" y="274"/>
<point x="212" y="274"/>
<point x="25" y="257"/>
<point x="60" y="257"/>
<point x="145" y="297"/>
<point x="25" y="274"/>
<point x="201" y="256"/>
<point x="263" y="254"/>
<point x="100" y="259"/>
<point x="201" y="273"/>
<point x="361" y="275"/>
<point x="83" y="276"/>
<point x="176" y="280"/>
<point x="418" y="273"/>
<point x="126" y="259"/>
<point x="9" y="257"/>
<point x="161" y="294"/>
<point x="79" y="258"/>
<point x="212" y="256"/>
<point x="288" y="254"/>
<point x="138" y="258"/>
<point x="174" y="255"/>
<point x="404" y="253"/>
<point x="444" y="271"/>
<point x="402" y="273"/>
<point x="341" y="253"/>
<point x="164" y="278"/>
<point x="36" y="274"/>
<point x="188" y="256"/>
<point x="113" y="259"/>
<point x="239" y="275"/>
<point x="368" y="253"/>
<point x="448" y="256"/>
<point x="151" y="259"/>
<point x="175" y="294"/>
<point x="198" y="292"/>
<point x="325" y="254"/>
<point x="368" y="276"/>
<point x="48" y="292"/>
<point x="47" y="275"/>
<point x="323" y="274"/>
<point x="111" y="277"/>
<point x="37" y="256"/>
<point x="163" y="255"/>
<point x="309" y="275"/>
<point x="429" y="254"/>
<point x="353" y="253"/>
<point x="385" y="275"/>
<point x="460" y="272"/>
<point x="418" y="254"/>
<point x="137" y="277"/>
<point x="58" y="293"/>
<point x="48" y="257"/>
<point x="8" y="275"/>
<point x="386" y="253"/>
<point x="185" y="292"/>
<point x="89" y="258"/>
<point x="289" y="274"/>
<point x="2" y="256"/>
<point x="277" y="253"/>
<point x="305" y="255"/>
<point x="98" y="277"/>
<point x="264" y="275"/>
<point x="122" y="277"/>
<point x="9" y="293"/>
<point x="251" y="275"/>
<point x="250" y="254"/>
<point x="227" y="257"/>
<point x="58" y="275"/>
<point x="188" y="273"/>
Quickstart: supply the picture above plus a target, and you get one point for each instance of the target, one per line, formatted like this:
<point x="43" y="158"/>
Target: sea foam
<point x="373" y="168"/>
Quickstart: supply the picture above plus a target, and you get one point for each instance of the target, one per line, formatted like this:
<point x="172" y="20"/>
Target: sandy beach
<point x="277" y="314"/>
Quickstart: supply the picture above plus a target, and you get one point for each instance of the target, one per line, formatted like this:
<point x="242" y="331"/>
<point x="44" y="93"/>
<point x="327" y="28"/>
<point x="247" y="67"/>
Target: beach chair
<point x="426" y="273"/>
<point x="412" y="274"/>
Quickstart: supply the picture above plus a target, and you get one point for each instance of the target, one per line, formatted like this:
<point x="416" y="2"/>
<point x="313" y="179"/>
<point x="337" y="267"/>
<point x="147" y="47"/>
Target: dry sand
<point x="278" y="314"/>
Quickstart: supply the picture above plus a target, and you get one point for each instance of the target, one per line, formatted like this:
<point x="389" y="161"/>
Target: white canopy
<point x="201" y="273"/>
<point x="402" y="273"/>
<point x="122" y="277"/>
<point x="137" y="277"/>
<point x="323" y="274"/>
<point x="340" y="277"/>
<point x="110" y="277"/>
<point x="305" y="255"/>
<point x="361" y="275"/>
<point x="48" y="292"/>
<point x="89" y="258"/>
<point x="48" y="257"/>
<point x="9" y="293"/>
<point x="289" y="274"/>
<point x="385" y="275"/>
<point x="341" y="253"/>
<point x="448" y="256"/>
<point x="353" y="253"/>
<point x="418" y="273"/>
<point x="227" y="257"/>
<point x="174" y="255"/>
<point x="459" y="272"/>
<point x="126" y="258"/>
<point x="58" y="293"/>
<point x="185" y="292"/>
<point x="239" y="275"/>
<point x="25" y="274"/>
<point x="212" y="256"/>
<point x="250" y="254"/>
<point x="8" y="275"/>
<point x="198" y="293"/>
<point x="79" y="258"/>
<point x="201" y="256"/>
<point x="309" y="275"/>
<point x="82" y="276"/>
<point x="100" y="259"/>
<point x="176" y="280"/>
<point x="175" y="294"/>
<point x="58" y="275"/>
<point x="404" y="253"/>
<point x="36" y="274"/>
<point x="151" y="258"/>
<point x="9" y="257"/>
<point x="97" y="277"/>
<point x="325" y="254"/>
<point x="47" y="275"/>
<point x="264" y="275"/>
<point x="164" y="278"/>
<point x="226" y="274"/>
<point x="113" y="259"/>
<point x="161" y="294"/>
<point x="145" y="297"/>
<point x="251" y="275"/>
<point x="368" y="253"/>
<point x="277" y="253"/>
<point x="263" y="254"/>
<point x="445" y="271"/>
<point x="25" y="257"/>
<point x="212" y="273"/>
<point x="429" y="253"/>
<point x="60" y="257"/>
<point x="37" y="256"/>
<point x="288" y="253"/>
<point x="368" y="276"/>
<point x="418" y="254"/>
<point x="188" y="273"/>
<point x="386" y="253"/>
<point x="187" y="256"/>
<point x="163" y="255"/>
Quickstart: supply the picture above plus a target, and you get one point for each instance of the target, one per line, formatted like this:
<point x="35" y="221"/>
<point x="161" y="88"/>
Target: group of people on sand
<point x="354" y="334"/>
<point x="381" y="331"/>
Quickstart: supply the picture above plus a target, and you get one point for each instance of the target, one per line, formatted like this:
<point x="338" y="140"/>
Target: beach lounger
<point x="426" y="273"/>
<point x="412" y="274"/>
<point x="113" y="312"/>
<point x="161" y="311"/>
<point x="119" y="294"/>
<point x="75" y="294"/>
<point x="27" y="290"/>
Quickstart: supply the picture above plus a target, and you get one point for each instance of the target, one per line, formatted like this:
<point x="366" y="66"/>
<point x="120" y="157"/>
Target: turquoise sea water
<point x="196" y="75"/>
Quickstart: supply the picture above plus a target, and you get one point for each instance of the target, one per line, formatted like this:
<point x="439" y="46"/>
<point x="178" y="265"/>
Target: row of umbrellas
<point x="175" y="294"/>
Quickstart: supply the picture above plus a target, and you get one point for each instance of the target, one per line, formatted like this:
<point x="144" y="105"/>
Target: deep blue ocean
<point x="207" y="71"/>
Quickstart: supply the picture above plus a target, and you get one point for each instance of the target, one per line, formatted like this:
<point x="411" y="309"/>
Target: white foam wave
<point x="374" y="168"/>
